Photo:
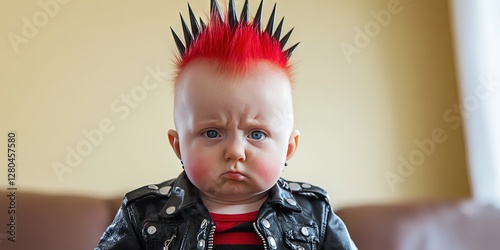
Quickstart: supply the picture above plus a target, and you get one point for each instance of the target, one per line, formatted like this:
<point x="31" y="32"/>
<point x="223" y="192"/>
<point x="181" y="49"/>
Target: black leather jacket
<point x="171" y="215"/>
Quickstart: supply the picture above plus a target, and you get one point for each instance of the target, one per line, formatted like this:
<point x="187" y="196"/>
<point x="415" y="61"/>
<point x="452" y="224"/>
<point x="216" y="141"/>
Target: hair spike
<point x="291" y="49"/>
<point x="277" y="33"/>
<point x="231" y="15"/>
<point x="258" y="17"/>
<point x="233" y="42"/>
<point x="270" y="23"/>
<point x="188" y="37"/>
<point x="244" y="13"/>
<point x="285" y="39"/>
<point x="178" y="43"/>
<point x="195" y="27"/>
<point x="215" y="10"/>
<point x="203" y="25"/>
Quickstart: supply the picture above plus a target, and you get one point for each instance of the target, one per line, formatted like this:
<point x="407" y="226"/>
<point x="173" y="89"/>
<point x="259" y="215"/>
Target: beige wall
<point x="359" y="114"/>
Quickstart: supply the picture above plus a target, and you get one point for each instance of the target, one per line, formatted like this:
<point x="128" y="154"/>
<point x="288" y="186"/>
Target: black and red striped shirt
<point x="236" y="231"/>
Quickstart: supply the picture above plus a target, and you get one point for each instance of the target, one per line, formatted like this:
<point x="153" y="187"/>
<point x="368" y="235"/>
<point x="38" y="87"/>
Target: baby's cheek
<point x="198" y="171"/>
<point x="269" y="171"/>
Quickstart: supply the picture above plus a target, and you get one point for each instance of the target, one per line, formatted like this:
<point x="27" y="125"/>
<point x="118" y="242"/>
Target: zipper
<point x="260" y="235"/>
<point x="211" y="238"/>
<point x="168" y="242"/>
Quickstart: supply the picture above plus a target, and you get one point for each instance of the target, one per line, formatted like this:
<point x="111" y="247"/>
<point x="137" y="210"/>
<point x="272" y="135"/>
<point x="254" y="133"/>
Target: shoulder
<point x="149" y="191"/>
<point x="304" y="189"/>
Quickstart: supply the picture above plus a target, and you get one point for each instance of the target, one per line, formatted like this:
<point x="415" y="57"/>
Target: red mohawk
<point x="235" y="44"/>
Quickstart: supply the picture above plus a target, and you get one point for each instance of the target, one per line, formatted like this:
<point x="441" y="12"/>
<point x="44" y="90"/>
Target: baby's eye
<point x="257" y="135"/>
<point x="211" y="133"/>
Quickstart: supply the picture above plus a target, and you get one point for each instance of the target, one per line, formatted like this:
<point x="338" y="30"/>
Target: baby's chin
<point x="233" y="195"/>
<point x="231" y="203"/>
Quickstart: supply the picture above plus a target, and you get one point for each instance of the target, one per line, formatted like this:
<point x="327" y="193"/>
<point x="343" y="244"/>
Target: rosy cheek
<point x="198" y="170"/>
<point x="268" y="171"/>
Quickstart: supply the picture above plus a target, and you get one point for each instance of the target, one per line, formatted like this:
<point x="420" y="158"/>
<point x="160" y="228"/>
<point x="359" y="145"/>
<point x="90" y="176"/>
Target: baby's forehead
<point x="220" y="71"/>
<point x="203" y="76"/>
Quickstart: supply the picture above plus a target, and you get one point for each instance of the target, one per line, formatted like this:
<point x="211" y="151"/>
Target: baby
<point x="234" y="134"/>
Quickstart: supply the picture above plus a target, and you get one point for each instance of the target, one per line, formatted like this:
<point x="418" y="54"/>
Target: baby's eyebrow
<point x="247" y="122"/>
<point x="209" y="123"/>
<point x="255" y="121"/>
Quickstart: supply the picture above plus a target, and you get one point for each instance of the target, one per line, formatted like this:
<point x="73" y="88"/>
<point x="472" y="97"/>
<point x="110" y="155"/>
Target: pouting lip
<point x="233" y="172"/>
<point x="236" y="175"/>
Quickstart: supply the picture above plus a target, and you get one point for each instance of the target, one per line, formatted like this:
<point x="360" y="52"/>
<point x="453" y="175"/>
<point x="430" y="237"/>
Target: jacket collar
<point x="281" y="196"/>
<point x="183" y="194"/>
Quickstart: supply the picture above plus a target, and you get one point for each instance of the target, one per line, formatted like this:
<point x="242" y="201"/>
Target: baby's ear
<point x="293" y="143"/>
<point x="173" y="138"/>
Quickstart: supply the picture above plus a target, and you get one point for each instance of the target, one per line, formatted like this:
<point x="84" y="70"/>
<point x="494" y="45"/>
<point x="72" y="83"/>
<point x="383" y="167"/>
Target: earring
<point x="286" y="164"/>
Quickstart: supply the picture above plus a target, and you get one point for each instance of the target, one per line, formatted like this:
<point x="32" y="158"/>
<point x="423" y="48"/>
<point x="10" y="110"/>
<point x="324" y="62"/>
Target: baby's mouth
<point x="234" y="175"/>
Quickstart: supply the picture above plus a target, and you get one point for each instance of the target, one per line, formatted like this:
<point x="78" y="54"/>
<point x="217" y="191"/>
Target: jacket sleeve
<point x="336" y="234"/>
<point x="120" y="234"/>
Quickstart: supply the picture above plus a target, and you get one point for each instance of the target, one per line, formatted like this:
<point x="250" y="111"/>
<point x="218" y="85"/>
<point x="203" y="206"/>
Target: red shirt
<point x="236" y="231"/>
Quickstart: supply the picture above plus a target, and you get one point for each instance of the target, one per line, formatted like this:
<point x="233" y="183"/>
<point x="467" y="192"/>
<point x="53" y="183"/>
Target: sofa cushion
<point x="456" y="225"/>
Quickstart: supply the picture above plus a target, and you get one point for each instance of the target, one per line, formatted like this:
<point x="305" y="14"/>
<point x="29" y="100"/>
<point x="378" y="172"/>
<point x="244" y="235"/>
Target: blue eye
<point x="211" y="134"/>
<point x="257" y="135"/>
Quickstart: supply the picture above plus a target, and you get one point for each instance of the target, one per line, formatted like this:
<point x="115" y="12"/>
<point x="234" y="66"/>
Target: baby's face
<point x="234" y="133"/>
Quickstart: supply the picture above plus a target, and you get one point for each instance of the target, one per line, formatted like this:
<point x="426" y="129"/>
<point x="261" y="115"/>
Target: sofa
<point x="56" y="222"/>
<point x="424" y="225"/>
<point x="62" y="222"/>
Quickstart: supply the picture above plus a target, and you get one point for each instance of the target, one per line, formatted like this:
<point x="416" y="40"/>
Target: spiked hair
<point x="234" y="43"/>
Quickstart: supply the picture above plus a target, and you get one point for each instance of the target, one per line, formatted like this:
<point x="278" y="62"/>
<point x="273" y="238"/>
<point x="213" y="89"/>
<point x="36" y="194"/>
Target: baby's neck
<point x="233" y="207"/>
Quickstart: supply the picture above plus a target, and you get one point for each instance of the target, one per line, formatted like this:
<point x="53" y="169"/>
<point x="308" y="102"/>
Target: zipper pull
<point x="168" y="242"/>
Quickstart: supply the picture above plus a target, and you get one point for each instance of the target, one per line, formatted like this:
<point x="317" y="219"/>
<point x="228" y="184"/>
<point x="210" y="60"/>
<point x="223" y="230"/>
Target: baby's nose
<point x="235" y="150"/>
